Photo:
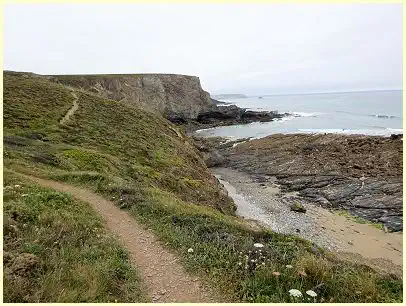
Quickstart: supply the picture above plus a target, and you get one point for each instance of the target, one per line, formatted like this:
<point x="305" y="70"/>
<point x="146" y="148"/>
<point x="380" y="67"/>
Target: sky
<point x="257" y="48"/>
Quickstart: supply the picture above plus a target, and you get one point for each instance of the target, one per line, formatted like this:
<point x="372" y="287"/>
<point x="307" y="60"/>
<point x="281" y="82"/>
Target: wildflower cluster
<point x="254" y="259"/>
<point x="298" y="294"/>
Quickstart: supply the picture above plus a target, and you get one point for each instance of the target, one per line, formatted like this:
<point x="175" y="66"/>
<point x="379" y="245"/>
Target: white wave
<point x="373" y="132"/>
<point x="236" y="144"/>
<point x="303" y="114"/>
<point x="287" y="118"/>
<point x="318" y="131"/>
<point x="395" y="131"/>
<point x="203" y="130"/>
<point x="383" y="116"/>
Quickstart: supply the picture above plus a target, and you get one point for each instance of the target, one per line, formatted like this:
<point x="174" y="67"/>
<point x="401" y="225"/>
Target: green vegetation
<point x="298" y="207"/>
<point x="357" y="219"/>
<point x="56" y="250"/>
<point x="106" y="137"/>
<point x="144" y="165"/>
<point x="223" y="247"/>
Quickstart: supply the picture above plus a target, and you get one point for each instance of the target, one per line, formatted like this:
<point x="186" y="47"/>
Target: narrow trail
<point x="165" y="279"/>
<point x="72" y="110"/>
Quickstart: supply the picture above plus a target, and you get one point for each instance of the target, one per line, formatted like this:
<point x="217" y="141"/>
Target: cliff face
<point x="176" y="97"/>
<point x="179" y="98"/>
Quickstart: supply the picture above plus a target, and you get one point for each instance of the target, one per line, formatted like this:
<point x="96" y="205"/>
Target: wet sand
<point x="264" y="202"/>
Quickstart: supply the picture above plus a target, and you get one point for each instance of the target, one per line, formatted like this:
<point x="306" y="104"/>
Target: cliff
<point x="176" y="97"/>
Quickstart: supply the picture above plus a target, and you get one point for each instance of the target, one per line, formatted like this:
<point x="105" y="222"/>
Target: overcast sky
<point x="233" y="48"/>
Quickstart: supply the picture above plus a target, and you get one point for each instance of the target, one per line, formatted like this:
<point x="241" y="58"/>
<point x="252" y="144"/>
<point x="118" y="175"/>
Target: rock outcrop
<point x="361" y="174"/>
<point x="231" y="114"/>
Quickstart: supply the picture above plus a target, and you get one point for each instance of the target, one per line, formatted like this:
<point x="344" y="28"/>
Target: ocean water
<point x="368" y="113"/>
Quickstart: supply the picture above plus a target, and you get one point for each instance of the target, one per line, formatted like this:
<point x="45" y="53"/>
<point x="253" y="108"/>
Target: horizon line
<point x="312" y="93"/>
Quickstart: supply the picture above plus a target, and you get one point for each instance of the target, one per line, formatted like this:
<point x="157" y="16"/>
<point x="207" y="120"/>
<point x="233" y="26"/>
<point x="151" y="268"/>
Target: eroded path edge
<point x="163" y="276"/>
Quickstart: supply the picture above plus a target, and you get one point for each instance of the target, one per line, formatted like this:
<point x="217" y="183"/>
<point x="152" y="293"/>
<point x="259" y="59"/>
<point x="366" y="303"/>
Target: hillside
<point x="104" y="139"/>
<point x="171" y="95"/>
<point x="146" y="166"/>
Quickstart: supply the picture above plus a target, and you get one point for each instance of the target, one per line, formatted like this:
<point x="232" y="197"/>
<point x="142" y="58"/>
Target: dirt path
<point x="72" y="110"/>
<point x="164" y="278"/>
<point x="361" y="243"/>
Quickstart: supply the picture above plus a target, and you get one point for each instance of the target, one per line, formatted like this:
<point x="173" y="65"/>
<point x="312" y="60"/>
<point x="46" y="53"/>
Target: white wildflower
<point x="258" y="245"/>
<point x="240" y="263"/>
<point x="295" y="293"/>
<point x="311" y="293"/>
<point x="190" y="250"/>
<point x="289" y="266"/>
<point x="17" y="186"/>
<point x="24" y="195"/>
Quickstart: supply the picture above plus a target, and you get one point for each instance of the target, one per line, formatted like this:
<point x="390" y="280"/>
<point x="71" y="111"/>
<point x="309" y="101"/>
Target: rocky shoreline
<point x="221" y="115"/>
<point x="265" y="203"/>
<point x="360" y="174"/>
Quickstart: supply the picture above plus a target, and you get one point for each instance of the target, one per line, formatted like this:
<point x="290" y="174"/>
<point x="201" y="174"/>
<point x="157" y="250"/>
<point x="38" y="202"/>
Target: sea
<point x="366" y="113"/>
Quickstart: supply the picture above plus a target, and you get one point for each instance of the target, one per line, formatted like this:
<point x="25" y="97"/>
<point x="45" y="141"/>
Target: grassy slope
<point x="103" y="137"/>
<point x="142" y="163"/>
<point x="56" y="250"/>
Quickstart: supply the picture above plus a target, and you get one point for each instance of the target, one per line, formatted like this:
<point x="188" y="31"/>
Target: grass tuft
<point x="56" y="250"/>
